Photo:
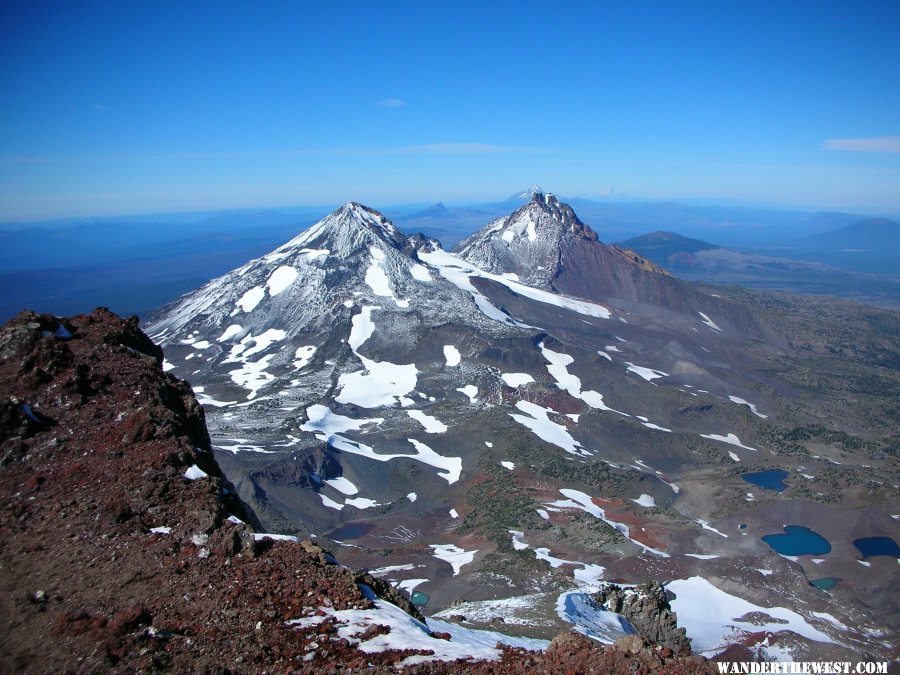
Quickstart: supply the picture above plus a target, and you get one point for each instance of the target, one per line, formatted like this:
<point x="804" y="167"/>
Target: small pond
<point x="770" y="479"/>
<point x="351" y="531"/>
<point x="825" y="583"/>
<point x="872" y="546"/>
<point x="419" y="599"/>
<point x="798" y="540"/>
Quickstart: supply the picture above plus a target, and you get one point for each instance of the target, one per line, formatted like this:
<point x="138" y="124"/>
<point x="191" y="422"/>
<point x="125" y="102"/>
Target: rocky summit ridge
<point x="545" y="244"/>
<point x="124" y="549"/>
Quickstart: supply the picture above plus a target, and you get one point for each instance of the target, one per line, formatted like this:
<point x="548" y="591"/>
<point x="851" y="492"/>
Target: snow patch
<point x="537" y="419"/>
<point x="232" y="331"/>
<point x="709" y="322"/>
<point x="706" y="526"/>
<point x="648" y="374"/>
<point x="735" y="399"/>
<point x="471" y="391"/>
<point x="251" y="299"/>
<point x="194" y="472"/>
<point x="730" y="438"/>
<point x="453" y="555"/>
<point x="451" y="355"/>
<point x="713" y="618"/>
<point x="558" y="369"/>
<point x="516" y="379"/>
<point x="342" y="485"/>
<point x="281" y="279"/>
<point x="432" y="424"/>
<point x="304" y="356"/>
<point x="645" y="500"/>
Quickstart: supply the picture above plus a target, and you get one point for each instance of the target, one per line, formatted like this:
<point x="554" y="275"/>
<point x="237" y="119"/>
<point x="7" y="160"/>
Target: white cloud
<point x="100" y="108"/>
<point x="888" y="144"/>
<point x="391" y="103"/>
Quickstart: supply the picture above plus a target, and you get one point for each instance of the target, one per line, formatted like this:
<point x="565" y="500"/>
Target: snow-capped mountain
<point x="527" y="193"/>
<point x="545" y="244"/>
<point x="530" y="415"/>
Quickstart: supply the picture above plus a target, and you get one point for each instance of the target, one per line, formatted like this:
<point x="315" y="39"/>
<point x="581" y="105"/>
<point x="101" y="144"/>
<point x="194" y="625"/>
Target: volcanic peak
<point x="345" y="231"/>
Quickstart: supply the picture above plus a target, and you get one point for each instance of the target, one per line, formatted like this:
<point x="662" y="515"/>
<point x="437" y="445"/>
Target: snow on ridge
<point x="459" y="272"/>
<point x="377" y="279"/>
<point x="648" y="374"/>
<point x="740" y="401"/>
<point x="321" y="419"/>
<point x="452" y="466"/>
<point x="361" y="503"/>
<point x="584" y="502"/>
<point x="570" y="383"/>
<point x="730" y="438"/>
<point x="328" y="427"/>
<point x="709" y="322"/>
<point x="537" y="419"/>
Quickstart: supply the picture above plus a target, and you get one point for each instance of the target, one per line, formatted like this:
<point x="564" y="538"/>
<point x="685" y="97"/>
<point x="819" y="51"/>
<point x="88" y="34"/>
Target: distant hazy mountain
<point x="664" y="248"/>
<point x="696" y="260"/>
<point x="877" y="234"/>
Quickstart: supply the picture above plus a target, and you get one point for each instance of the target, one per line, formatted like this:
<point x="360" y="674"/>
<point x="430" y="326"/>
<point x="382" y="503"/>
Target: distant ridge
<point x="872" y="234"/>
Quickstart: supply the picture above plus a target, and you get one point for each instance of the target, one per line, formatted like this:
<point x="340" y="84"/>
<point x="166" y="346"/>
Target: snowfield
<point x="714" y="618"/>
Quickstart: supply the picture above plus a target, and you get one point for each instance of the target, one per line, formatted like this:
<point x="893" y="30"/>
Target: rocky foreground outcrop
<point x="646" y="606"/>
<point x="122" y="547"/>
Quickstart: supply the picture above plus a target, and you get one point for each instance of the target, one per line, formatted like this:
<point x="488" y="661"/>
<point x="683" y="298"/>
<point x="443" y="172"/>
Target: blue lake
<point x="771" y="479"/>
<point x="872" y="546"/>
<point x="798" y="540"/>
<point x="826" y="583"/>
<point x="419" y="599"/>
<point x="350" y="531"/>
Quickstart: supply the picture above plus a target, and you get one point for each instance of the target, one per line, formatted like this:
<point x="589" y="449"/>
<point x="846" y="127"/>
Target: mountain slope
<point x="475" y="437"/>
<point x="545" y="244"/>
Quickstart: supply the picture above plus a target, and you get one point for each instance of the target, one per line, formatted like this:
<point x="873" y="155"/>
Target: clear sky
<point x="129" y="106"/>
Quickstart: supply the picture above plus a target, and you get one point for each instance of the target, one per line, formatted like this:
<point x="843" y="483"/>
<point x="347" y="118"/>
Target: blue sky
<point x="128" y="107"/>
